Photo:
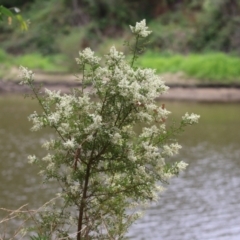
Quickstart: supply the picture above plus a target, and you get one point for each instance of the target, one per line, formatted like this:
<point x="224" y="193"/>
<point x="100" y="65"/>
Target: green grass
<point x="5" y="59"/>
<point x="34" y="61"/>
<point x="209" y="67"/>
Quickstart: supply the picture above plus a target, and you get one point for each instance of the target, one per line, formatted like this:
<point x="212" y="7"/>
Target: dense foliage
<point x="179" y="26"/>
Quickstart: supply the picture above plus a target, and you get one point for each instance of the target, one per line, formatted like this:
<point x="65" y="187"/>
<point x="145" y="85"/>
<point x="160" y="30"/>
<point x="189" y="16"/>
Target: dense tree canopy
<point x="179" y="25"/>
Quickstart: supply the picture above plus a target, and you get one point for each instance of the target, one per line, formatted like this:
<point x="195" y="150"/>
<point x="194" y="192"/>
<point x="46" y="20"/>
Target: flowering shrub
<point x="105" y="169"/>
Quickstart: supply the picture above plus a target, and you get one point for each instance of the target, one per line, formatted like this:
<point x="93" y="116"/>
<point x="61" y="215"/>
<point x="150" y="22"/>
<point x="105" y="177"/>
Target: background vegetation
<point x="207" y="32"/>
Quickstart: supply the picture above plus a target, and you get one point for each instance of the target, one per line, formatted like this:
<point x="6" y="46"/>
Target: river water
<point x="203" y="203"/>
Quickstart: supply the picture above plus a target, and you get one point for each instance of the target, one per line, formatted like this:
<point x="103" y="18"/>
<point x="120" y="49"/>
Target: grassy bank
<point x="209" y="67"/>
<point x="33" y="61"/>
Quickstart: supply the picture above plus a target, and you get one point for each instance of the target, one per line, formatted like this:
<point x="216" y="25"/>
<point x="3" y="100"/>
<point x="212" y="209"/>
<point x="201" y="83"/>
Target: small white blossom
<point x="64" y="128"/>
<point x="190" y="118"/>
<point x="97" y="123"/>
<point x="48" y="158"/>
<point x="26" y="75"/>
<point x="149" y="132"/>
<point x="65" y="105"/>
<point x="53" y="95"/>
<point x="167" y="176"/>
<point x="140" y="29"/>
<point x="49" y="144"/>
<point x="70" y="143"/>
<point x="145" y="117"/>
<point x="32" y="159"/>
<point x="87" y="56"/>
<point x="51" y="167"/>
<point x="123" y="84"/>
<point x="131" y="156"/>
<point x="54" y="118"/>
<point x="36" y="120"/>
<point x="89" y="138"/>
<point x="116" y="138"/>
<point x="171" y="149"/>
<point x="114" y="57"/>
<point x="182" y="165"/>
<point x="84" y="101"/>
<point x="151" y="152"/>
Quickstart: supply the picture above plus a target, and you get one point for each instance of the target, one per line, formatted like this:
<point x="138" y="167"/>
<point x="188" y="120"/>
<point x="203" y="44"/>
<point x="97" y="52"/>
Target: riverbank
<point x="181" y="88"/>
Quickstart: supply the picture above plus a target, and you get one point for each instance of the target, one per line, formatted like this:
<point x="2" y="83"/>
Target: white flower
<point x="66" y="104"/>
<point x="140" y="29"/>
<point x="171" y="149"/>
<point x="64" y="128"/>
<point x="151" y="152"/>
<point x="131" y="156"/>
<point x="26" y="75"/>
<point x="89" y="138"/>
<point x="84" y="101"/>
<point x="144" y="117"/>
<point x="32" y="159"/>
<point x="116" y="138"/>
<point x="182" y="165"/>
<point x="190" y="119"/>
<point x="151" y="84"/>
<point x="149" y="132"/>
<point x="114" y="57"/>
<point x="49" y="144"/>
<point x="51" y="167"/>
<point x="54" y="118"/>
<point x="123" y="85"/>
<point x="37" y="123"/>
<point x="97" y="123"/>
<point x="48" y="158"/>
<point x="70" y="143"/>
<point x="87" y="56"/>
<point x="53" y="95"/>
<point x="142" y="170"/>
<point x="167" y="176"/>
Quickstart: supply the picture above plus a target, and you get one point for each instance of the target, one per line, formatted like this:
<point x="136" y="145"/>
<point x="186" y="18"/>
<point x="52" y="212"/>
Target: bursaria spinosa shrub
<point x="106" y="169"/>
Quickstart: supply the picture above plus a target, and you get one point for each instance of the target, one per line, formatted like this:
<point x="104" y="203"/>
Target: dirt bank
<point x="181" y="89"/>
<point x="176" y="93"/>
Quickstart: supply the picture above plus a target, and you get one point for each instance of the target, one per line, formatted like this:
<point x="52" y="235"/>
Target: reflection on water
<point x="203" y="203"/>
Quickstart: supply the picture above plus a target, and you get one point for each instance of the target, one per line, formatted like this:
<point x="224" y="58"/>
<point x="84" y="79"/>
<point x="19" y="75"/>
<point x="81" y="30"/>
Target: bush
<point x="105" y="168"/>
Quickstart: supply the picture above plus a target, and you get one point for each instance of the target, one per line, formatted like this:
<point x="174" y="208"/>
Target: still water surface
<point x="203" y="203"/>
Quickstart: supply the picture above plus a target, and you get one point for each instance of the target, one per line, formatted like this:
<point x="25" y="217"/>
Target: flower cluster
<point x="102" y="162"/>
<point x="140" y="29"/>
<point x="26" y="75"/>
<point x="190" y="118"/>
<point x="87" y="56"/>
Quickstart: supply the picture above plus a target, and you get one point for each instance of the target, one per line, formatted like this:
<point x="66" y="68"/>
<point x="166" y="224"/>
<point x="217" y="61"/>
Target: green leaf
<point x="6" y="12"/>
